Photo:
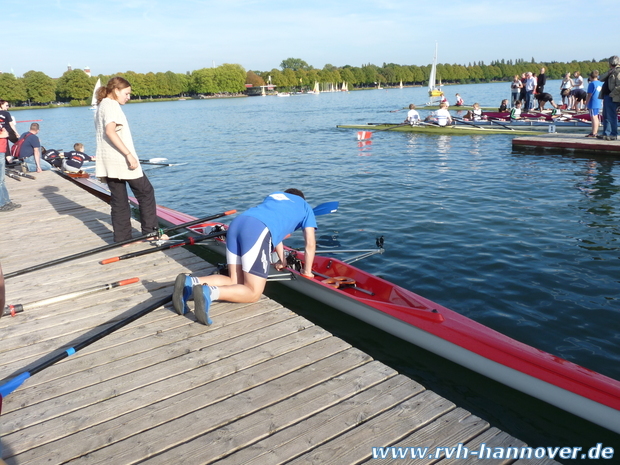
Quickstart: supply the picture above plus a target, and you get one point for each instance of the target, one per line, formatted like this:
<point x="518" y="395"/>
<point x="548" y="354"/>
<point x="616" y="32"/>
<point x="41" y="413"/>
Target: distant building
<point x="87" y="71"/>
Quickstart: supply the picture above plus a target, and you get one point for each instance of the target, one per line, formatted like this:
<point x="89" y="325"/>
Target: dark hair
<point x="116" y="82"/>
<point x="296" y="192"/>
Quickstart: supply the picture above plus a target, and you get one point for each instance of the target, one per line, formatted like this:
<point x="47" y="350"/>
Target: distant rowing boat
<point x="455" y="130"/>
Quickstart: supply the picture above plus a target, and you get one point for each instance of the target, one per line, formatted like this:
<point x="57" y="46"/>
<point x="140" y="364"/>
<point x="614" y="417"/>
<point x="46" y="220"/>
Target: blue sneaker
<point x="182" y="293"/>
<point x="202" y="299"/>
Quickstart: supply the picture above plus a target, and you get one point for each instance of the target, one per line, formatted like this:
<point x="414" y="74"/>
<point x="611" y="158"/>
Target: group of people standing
<point x="525" y="87"/>
<point x="601" y="98"/>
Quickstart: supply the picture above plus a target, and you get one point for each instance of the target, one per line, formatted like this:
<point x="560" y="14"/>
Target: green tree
<point x="74" y="85"/>
<point x="12" y="89"/>
<point x="277" y="78"/>
<point x="203" y="81"/>
<point x="294" y="64"/>
<point x="150" y="84"/>
<point x="40" y="88"/>
<point x="175" y="83"/>
<point x="290" y="78"/>
<point x="230" y="78"/>
<point x="347" y="76"/>
<point x="138" y="86"/>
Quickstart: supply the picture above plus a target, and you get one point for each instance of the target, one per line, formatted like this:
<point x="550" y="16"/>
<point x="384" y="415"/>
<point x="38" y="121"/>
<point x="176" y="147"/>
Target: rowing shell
<point x="424" y="323"/>
<point x="454" y="130"/>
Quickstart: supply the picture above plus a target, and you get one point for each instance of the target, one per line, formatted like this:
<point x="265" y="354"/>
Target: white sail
<point x="93" y="102"/>
<point x="434" y="92"/>
<point x="433" y="76"/>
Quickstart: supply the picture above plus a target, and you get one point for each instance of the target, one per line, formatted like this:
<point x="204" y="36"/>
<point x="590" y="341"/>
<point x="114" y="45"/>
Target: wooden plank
<point x="389" y="427"/>
<point x="216" y="404"/>
<point x="201" y="353"/>
<point x="287" y="444"/>
<point x="492" y="438"/>
<point x="132" y="355"/>
<point x="456" y="427"/>
<point x="277" y="417"/>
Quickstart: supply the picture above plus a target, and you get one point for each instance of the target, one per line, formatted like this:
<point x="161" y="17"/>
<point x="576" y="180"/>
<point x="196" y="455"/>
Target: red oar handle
<point x="13" y="309"/>
<point x="110" y="260"/>
<point x="230" y="212"/>
<point x="128" y="281"/>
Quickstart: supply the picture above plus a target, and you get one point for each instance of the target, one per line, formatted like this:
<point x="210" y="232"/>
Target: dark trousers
<point x="121" y="211"/>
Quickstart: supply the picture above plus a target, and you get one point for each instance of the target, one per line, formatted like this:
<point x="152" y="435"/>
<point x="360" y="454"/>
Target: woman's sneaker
<point x="182" y="293"/>
<point x="202" y="301"/>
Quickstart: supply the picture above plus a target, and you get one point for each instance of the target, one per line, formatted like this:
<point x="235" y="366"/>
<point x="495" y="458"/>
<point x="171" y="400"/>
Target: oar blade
<point x="326" y="208"/>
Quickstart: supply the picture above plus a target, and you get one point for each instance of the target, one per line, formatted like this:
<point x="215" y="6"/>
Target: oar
<point x="156" y="164"/>
<point x="153" y="160"/>
<point x="12" y="175"/>
<point x="19" y="173"/>
<point x="116" y="244"/>
<point x="29" y="121"/>
<point x="190" y="241"/>
<point x="495" y="121"/>
<point x="19" y="308"/>
<point x="17" y="381"/>
<point x="325" y="208"/>
<point x="466" y="122"/>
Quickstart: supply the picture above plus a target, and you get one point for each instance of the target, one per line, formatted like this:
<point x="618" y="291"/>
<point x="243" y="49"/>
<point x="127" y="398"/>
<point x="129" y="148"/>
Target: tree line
<point x="76" y="87"/>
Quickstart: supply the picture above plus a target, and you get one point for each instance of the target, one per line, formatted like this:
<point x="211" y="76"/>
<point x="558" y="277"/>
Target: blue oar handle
<point x="13" y="384"/>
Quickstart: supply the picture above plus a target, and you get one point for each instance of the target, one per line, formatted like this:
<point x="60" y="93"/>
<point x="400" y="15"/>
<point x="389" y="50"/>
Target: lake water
<point x="525" y="243"/>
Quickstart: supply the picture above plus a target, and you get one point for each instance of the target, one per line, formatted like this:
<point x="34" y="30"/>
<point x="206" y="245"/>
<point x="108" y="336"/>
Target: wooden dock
<point x="261" y="385"/>
<point x="560" y="142"/>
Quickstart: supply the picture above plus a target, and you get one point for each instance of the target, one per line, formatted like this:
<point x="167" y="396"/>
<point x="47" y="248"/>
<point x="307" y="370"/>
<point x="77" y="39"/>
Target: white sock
<point x="215" y="292"/>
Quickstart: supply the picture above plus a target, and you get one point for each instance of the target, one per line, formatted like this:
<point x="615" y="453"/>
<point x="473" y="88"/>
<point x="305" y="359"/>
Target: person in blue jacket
<point x="250" y="239"/>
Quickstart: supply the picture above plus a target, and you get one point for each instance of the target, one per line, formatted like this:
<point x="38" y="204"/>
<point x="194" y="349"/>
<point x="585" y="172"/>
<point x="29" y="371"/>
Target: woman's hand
<point x="279" y="265"/>
<point x="132" y="161"/>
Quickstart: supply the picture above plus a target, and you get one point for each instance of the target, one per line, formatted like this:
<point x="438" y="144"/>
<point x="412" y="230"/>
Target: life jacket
<point x="17" y="147"/>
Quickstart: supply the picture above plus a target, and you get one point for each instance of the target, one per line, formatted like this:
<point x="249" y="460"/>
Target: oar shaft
<point x="19" y="308"/>
<point x="112" y="246"/>
<point x="18" y="380"/>
<point x="190" y="241"/>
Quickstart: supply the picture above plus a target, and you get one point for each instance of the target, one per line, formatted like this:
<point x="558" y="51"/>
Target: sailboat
<point x="93" y="102"/>
<point x="433" y="90"/>
<point x="315" y="90"/>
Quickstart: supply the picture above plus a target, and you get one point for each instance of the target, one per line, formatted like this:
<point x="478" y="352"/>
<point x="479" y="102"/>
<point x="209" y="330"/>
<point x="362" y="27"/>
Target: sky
<point x="184" y="35"/>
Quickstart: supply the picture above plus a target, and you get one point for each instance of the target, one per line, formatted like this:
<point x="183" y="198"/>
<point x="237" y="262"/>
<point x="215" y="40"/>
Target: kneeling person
<point x="249" y="242"/>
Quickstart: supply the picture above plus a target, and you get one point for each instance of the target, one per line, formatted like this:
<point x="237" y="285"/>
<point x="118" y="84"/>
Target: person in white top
<point x="413" y="117"/>
<point x="117" y="162"/>
<point x="442" y="116"/>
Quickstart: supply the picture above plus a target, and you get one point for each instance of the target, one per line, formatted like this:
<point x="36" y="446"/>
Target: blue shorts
<point x="248" y="243"/>
<point x="594" y="112"/>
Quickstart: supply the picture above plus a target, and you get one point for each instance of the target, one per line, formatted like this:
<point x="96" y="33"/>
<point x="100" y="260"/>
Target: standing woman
<point x="515" y="89"/>
<point x="117" y="162"/>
